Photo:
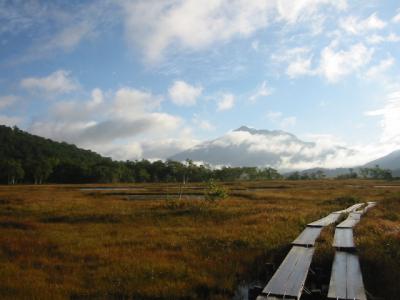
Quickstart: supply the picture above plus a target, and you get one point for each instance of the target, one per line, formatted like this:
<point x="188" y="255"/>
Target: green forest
<point x="26" y="158"/>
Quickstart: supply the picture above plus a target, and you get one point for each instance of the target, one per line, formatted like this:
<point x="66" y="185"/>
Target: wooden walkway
<point x="346" y="279"/>
<point x="343" y="239"/>
<point x="288" y="281"/>
<point x="308" y="237"/>
<point x="351" y="220"/>
<point x="326" y="221"/>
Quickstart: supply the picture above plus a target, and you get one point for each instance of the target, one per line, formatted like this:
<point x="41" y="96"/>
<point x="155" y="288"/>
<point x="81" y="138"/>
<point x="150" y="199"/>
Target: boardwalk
<point x="288" y="281"/>
<point x="343" y="239"/>
<point x="346" y="279"/>
<point x="308" y="237"/>
<point x="326" y="221"/>
<point x="351" y="220"/>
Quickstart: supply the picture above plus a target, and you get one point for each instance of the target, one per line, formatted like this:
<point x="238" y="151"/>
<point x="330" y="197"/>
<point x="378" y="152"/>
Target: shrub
<point x="214" y="191"/>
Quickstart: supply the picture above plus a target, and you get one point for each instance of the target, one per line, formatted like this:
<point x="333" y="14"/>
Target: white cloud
<point x="10" y="121"/>
<point x="396" y="18"/>
<point x="354" y="25"/>
<point x="288" y="55"/>
<point x="59" y="82"/>
<point x="262" y="91"/>
<point x="380" y="68"/>
<point x="6" y="101"/>
<point x="196" y="25"/>
<point x="335" y="64"/>
<point x="191" y="24"/>
<point x="299" y="67"/>
<point x="108" y="119"/>
<point x="226" y="102"/>
<point x="202" y="124"/>
<point x="280" y="120"/>
<point x="298" y="61"/>
<point x="282" y="150"/>
<point x="131" y="103"/>
<point x="184" y="94"/>
<point x="152" y="149"/>
<point x="164" y="148"/>
<point x="377" y="39"/>
<point x="255" y="45"/>
<point x="390" y="118"/>
<point x="293" y="11"/>
<point x="69" y="37"/>
<point x="80" y="110"/>
<point x="56" y="27"/>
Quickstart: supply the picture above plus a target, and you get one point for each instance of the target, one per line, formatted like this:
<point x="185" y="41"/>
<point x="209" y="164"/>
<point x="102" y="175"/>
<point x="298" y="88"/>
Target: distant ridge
<point x="390" y="161"/>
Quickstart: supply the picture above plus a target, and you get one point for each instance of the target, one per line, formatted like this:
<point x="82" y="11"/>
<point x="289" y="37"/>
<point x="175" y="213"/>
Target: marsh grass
<point x="378" y="240"/>
<point x="58" y="242"/>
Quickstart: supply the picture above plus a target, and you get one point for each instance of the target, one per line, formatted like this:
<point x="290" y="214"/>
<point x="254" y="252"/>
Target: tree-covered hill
<point x="30" y="158"/>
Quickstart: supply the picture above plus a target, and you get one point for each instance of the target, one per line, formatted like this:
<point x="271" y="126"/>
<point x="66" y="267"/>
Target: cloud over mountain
<point x="251" y="147"/>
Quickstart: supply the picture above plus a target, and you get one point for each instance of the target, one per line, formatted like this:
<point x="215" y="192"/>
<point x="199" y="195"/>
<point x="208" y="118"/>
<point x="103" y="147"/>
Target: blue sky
<point x="148" y="78"/>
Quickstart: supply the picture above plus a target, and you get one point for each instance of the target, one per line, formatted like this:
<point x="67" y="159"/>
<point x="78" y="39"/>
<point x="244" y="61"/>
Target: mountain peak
<point x="253" y="130"/>
<point x="246" y="128"/>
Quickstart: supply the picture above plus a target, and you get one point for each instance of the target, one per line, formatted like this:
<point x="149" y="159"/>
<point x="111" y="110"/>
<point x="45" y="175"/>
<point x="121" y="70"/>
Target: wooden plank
<point x="355" y="285"/>
<point x="343" y="238"/>
<point x="351" y="221"/>
<point x="352" y="208"/>
<point x="346" y="278"/>
<point x="337" y="284"/>
<point x="261" y="297"/>
<point x="288" y="281"/>
<point x="325" y="221"/>
<point x="307" y="237"/>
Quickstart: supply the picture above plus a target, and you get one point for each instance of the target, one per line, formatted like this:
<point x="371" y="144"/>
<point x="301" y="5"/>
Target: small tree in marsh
<point x="215" y="192"/>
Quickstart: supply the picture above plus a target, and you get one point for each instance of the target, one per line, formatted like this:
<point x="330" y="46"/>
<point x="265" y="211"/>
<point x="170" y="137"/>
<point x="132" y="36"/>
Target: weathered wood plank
<point x="343" y="239"/>
<point x="307" y="237"/>
<point x="346" y="278"/>
<point x="261" y="297"/>
<point x="354" y="207"/>
<point x="351" y="221"/>
<point x="325" y="221"/>
<point x="350" y="208"/>
<point x="288" y="281"/>
<point x="337" y="285"/>
<point x="355" y="285"/>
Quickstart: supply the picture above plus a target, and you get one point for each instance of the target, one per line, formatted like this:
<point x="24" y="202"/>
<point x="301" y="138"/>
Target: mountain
<point x="35" y="156"/>
<point x="258" y="148"/>
<point x="390" y="161"/>
<point x="21" y="145"/>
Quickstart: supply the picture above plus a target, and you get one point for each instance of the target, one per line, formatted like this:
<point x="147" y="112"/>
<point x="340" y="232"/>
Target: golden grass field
<point x="59" y="242"/>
